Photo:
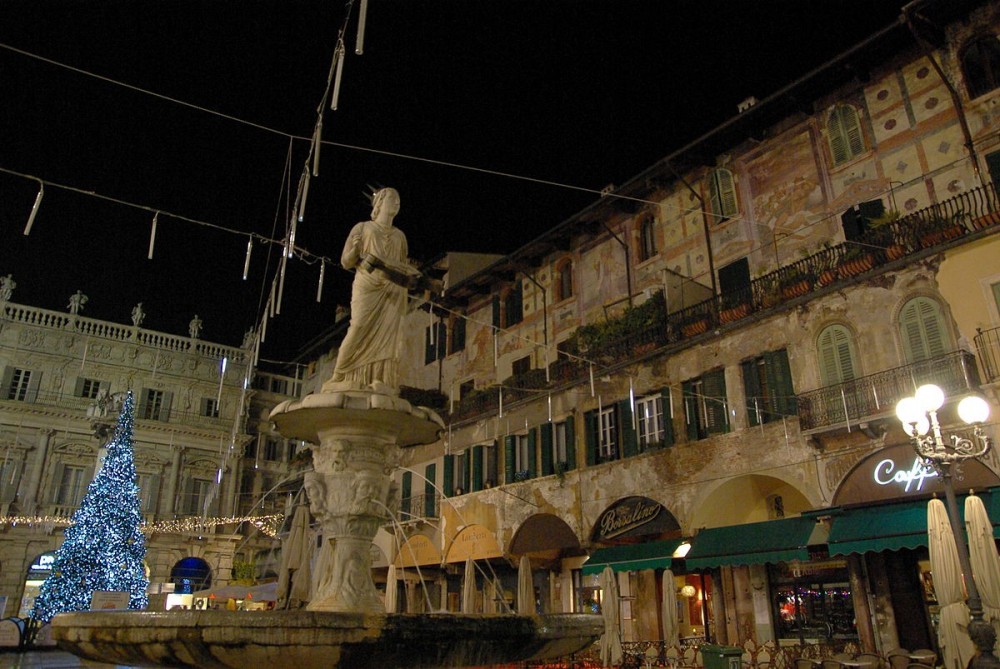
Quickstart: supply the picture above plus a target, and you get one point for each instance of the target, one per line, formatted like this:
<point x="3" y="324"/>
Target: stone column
<point x="38" y="468"/>
<point x="172" y="478"/>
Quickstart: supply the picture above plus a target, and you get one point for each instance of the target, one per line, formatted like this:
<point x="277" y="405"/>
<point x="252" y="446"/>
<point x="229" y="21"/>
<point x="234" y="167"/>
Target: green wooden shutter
<point x="779" y="383"/>
<point x="448" y="484"/>
<point x="836" y="355"/>
<point x="430" y="492"/>
<point x="854" y="139"/>
<point x="590" y="436"/>
<point x="532" y="453"/>
<point x="406" y="490"/>
<point x="545" y="431"/>
<point x="570" y="444"/>
<point x="465" y="475"/>
<point x="629" y="443"/>
<point x="477" y="469"/>
<point x="752" y="391"/>
<point x="714" y="384"/>
<point x="837" y="137"/>
<point x="509" y="461"/>
<point x="668" y="420"/>
<point x="690" y="410"/>
<point x="922" y="330"/>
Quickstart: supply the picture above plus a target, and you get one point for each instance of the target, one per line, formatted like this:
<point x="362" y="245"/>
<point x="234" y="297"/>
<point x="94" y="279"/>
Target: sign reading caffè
<point x="633" y="516"/>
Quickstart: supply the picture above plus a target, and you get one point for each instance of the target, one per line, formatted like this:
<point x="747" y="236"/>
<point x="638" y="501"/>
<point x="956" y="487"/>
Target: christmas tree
<point x="104" y="547"/>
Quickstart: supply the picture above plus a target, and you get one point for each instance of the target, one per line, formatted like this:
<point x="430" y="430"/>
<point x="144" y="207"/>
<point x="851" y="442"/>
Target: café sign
<point x="633" y="515"/>
<point x="888" y="472"/>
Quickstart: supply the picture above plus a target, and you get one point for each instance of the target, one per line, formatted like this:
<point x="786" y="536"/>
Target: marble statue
<point x="7" y="286"/>
<point x="377" y="252"/>
<point x="194" y="327"/>
<point x="137" y="315"/>
<point x="76" y="302"/>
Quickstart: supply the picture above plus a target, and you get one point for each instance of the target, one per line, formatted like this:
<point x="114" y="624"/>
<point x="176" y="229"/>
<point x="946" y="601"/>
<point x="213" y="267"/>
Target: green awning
<point x="632" y="557"/>
<point x="891" y="527"/>
<point x="770" y="541"/>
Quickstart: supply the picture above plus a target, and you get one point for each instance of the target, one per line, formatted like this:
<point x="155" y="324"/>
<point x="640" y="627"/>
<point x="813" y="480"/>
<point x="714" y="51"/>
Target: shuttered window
<point x="844" y="134"/>
<point x="647" y="239"/>
<point x="722" y="195"/>
<point x="705" y="405"/>
<point x="430" y="492"/>
<point x="922" y="329"/>
<point x="767" y="382"/>
<point x="836" y="355"/>
<point x="981" y="65"/>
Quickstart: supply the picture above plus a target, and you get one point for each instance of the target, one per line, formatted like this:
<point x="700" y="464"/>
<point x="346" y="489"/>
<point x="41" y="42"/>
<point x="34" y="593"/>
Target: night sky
<point x="547" y="101"/>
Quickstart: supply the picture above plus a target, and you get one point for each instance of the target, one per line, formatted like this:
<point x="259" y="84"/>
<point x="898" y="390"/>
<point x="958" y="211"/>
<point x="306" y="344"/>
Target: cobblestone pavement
<point x="51" y="659"/>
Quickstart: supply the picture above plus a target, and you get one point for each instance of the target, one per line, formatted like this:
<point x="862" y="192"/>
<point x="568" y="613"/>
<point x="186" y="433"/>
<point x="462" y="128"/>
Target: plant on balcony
<point x="734" y="313"/>
<point x="694" y="324"/>
<point x="881" y="234"/>
<point x="649" y="315"/>
<point x="857" y="259"/>
<point x="424" y="397"/>
<point x="795" y="282"/>
<point x="944" y="228"/>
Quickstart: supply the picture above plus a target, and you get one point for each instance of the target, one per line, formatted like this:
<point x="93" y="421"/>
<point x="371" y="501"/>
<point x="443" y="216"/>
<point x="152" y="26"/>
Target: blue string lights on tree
<point x="104" y="546"/>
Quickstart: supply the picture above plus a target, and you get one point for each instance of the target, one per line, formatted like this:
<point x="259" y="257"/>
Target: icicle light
<point x="339" y="59"/>
<point x="317" y="143"/>
<point x="34" y="209"/>
<point x="359" y="47"/>
<point x="305" y="194"/>
<point x="319" y="287"/>
<point x="246" y="262"/>
<point x="152" y="235"/>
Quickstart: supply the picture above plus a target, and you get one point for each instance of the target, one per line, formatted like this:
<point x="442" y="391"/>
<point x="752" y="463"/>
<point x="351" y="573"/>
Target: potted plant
<point x="795" y="282"/>
<point x="857" y="259"/>
<point x="881" y="229"/>
<point x="695" y="324"/>
<point x="734" y="312"/>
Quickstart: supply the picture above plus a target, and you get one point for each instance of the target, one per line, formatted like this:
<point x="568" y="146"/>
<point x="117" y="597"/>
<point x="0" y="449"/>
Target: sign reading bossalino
<point x="633" y="516"/>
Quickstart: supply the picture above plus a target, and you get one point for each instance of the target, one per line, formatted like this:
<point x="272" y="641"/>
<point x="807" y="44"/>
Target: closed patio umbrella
<point x="671" y="628"/>
<point x="956" y="647"/>
<point x="294" y="575"/>
<point x="611" y="642"/>
<point x="525" y="588"/>
<point x="469" y="587"/>
<point x="489" y="596"/>
<point x="390" y="589"/>
<point x="984" y="558"/>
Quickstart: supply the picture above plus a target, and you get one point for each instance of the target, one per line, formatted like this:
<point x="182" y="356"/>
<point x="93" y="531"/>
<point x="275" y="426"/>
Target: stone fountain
<point x="358" y="424"/>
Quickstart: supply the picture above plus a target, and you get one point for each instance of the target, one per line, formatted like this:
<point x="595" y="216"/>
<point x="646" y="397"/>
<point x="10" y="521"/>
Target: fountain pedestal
<point x="357" y="435"/>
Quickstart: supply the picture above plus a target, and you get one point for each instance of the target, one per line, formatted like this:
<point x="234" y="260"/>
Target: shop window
<point x="844" y="134"/>
<point x="836" y="355"/>
<point x="647" y="238"/>
<point x="155" y="404"/>
<point x="434" y="342"/>
<point x="564" y="280"/>
<point x="457" y="341"/>
<point x="922" y="330"/>
<point x="767" y="382"/>
<point x="21" y="384"/>
<point x="981" y="65"/>
<point x="705" y="405"/>
<point x="722" y="195"/>
<point x="812" y="601"/>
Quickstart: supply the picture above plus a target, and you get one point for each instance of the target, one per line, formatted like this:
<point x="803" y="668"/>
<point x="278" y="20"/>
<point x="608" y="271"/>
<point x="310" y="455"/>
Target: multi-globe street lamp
<point x="918" y="414"/>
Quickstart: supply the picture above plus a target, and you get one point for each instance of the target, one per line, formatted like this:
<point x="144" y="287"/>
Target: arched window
<point x="922" y="330"/>
<point x="836" y="355"/>
<point x="722" y="195"/>
<point x="981" y="65"/>
<point x="647" y="239"/>
<point x="844" y="134"/>
<point x="564" y="280"/>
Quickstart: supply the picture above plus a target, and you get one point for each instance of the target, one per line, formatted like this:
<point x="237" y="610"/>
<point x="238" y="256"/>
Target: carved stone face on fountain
<point x="316" y="491"/>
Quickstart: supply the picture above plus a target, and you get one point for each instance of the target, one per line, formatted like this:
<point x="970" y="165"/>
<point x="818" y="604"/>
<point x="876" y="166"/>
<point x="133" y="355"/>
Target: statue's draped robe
<point x="370" y="351"/>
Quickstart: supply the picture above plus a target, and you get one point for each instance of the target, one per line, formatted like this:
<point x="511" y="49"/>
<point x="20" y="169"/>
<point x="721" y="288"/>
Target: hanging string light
<point x="338" y="59"/>
<point x="305" y="193"/>
<point x="317" y="143"/>
<point x="34" y="208"/>
<point x="152" y="235"/>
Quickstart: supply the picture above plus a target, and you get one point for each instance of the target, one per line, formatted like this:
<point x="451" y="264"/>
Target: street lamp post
<point x="918" y="414"/>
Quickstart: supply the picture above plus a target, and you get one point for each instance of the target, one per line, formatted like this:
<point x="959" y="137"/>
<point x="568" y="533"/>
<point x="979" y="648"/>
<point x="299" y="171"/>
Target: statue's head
<point x="388" y="197"/>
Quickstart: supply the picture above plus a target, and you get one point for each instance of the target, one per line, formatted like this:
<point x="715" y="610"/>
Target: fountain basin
<point x="299" y="639"/>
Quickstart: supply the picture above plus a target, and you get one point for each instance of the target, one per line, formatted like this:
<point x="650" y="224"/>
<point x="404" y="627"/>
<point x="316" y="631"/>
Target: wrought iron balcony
<point x="419" y="507"/>
<point x="988" y="349"/>
<point x="868" y="398"/>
